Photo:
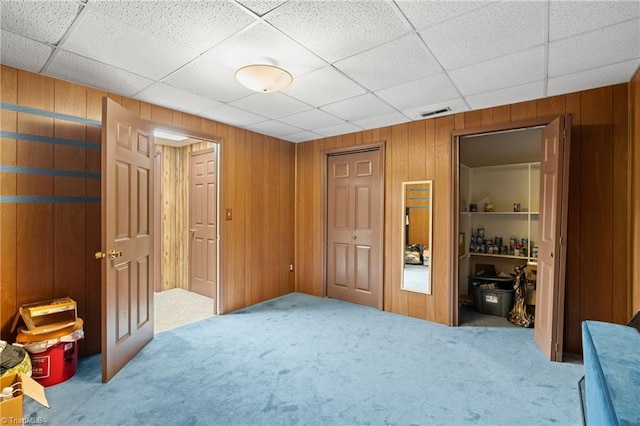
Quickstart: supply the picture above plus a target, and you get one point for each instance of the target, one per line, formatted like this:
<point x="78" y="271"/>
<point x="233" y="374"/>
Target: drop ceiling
<point x="356" y="64"/>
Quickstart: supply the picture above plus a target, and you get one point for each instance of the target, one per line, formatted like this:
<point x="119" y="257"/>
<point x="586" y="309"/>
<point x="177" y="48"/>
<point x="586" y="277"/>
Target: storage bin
<point x="493" y="301"/>
<point x="56" y="364"/>
<point x="503" y="283"/>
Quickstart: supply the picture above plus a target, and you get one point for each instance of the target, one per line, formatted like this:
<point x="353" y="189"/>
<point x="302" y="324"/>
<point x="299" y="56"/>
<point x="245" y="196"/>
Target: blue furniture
<point x="612" y="373"/>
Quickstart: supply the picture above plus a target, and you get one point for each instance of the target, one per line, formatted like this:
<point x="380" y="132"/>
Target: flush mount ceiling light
<point x="263" y="78"/>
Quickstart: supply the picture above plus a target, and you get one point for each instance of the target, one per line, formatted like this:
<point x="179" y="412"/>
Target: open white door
<point x="127" y="236"/>
<point x="552" y="237"/>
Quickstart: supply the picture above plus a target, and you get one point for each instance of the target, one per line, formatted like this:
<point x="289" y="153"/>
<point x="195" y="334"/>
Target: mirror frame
<point x="429" y="286"/>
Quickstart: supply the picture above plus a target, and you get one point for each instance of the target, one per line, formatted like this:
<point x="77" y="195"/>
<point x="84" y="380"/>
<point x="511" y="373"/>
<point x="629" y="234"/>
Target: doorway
<point x="499" y="192"/>
<point x="551" y="214"/>
<point x="354" y="200"/>
<point x="174" y="290"/>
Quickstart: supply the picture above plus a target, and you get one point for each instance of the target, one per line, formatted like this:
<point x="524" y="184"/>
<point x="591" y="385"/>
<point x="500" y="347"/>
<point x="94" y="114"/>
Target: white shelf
<point x="504" y="256"/>
<point x="500" y="213"/>
<point x="504" y="185"/>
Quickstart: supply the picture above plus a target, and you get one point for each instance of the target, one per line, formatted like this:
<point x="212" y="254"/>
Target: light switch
<point x="228" y="214"/>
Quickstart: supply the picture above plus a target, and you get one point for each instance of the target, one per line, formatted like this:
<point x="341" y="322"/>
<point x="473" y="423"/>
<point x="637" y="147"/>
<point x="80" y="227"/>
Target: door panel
<point x="354" y="227"/>
<point x="363" y="208"/>
<point x="203" y="222"/>
<point x="552" y="232"/>
<point x="363" y="267"/>
<point x="127" y="196"/>
<point x="341" y="264"/>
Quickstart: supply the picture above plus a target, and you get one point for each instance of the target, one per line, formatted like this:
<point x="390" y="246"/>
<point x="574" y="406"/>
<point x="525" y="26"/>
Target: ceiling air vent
<point x="430" y="113"/>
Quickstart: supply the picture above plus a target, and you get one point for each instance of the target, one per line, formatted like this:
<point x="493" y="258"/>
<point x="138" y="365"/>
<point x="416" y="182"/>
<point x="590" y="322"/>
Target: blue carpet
<point x="300" y="359"/>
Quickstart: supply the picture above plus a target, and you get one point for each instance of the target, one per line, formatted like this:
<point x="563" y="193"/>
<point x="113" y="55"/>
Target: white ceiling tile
<point x="206" y="78"/>
<point x="104" y="39"/>
<point x="455" y="105"/>
<point x="274" y="128"/>
<point x="423" y="14"/>
<point x="45" y="21"/>
<point x="381" y="120"/>
<point x="401" y="60"/>
<point x="337" y="29"/>
<point x="357" y="108"/>
<point x="489" y="32"/>
<point x="23" y="53"/>
<point x="427" y="90"/>
<point x="301" y="137"/>
<point x="597" y="77"/>
<point x="491" y="51"/>
<point x="272" y="105"/>
<point x="322" y="87"/>
<point x="262" y="41"/>
<point x="233" y="116"/>
<point x="340" y="129"/>
<point x="510" y="95"/>
<point x="261" y="7"/>
<point x="179" y="100"/>
<point x="570" y="18"/>
<point x="311" y="119"/>
<point x="70" y="67"/>
<point x="186" y="23"/>
<point x="617" y="43"/>
<point x="513" y="70"/>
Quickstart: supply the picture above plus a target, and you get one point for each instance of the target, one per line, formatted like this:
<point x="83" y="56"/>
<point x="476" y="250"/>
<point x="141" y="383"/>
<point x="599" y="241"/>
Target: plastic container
<point x="493" y="301"/>
<point x="56" y="364"/>
<point x="503" y="283"/>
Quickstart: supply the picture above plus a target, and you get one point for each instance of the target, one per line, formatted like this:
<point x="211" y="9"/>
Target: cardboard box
<point x="11" y="409"/>
<point x="49" y="315"/>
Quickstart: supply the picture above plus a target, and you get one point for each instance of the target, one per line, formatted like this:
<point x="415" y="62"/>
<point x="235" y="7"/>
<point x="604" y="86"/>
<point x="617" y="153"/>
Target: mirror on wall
<point x="416" y="270"/>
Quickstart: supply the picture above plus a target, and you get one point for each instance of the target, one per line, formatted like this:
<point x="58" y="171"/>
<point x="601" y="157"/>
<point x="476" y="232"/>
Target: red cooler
<point x="56" y="364"/>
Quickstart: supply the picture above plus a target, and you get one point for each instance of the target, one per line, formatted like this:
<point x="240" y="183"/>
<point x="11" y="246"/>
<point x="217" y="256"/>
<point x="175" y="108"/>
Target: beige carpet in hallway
<point x="176" y="307"/>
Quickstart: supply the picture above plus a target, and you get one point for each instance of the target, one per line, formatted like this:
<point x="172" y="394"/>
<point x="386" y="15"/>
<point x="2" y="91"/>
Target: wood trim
<point x="454" y="317"/>
<point x="504" y="126"/>
<point x="634" y="188"/>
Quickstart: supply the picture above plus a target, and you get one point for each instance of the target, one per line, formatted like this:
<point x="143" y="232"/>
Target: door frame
<point x="218" y="307"/>
<point x="453" y="308"/>
<point x="157" y="223"/>
<point x="325" y="181"/>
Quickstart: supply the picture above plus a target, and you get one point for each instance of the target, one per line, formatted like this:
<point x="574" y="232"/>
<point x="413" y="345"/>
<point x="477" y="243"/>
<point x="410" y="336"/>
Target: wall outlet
<point x="291" y="268"/>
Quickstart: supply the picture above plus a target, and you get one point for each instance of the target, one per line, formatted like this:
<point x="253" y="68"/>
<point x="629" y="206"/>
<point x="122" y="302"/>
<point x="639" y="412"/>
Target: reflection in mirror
<point x="416" y="271"/>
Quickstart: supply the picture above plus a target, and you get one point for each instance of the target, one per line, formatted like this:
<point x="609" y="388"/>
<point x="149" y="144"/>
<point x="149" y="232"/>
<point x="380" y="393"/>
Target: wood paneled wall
<point x="47" y="247"/>
<point x="598" y="258"/>
<point x="634" y="101"/>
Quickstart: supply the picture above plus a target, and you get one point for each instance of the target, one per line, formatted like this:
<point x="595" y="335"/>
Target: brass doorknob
<point x="113" y="254"/>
